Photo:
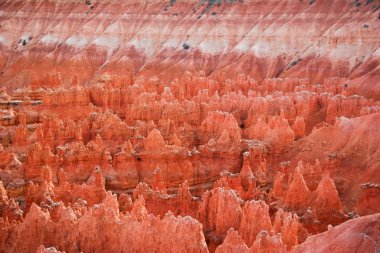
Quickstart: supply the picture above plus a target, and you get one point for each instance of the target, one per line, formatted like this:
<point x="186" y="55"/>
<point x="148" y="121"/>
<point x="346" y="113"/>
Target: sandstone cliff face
<point x="284" y="40"/>
<point x="189" y="126"/>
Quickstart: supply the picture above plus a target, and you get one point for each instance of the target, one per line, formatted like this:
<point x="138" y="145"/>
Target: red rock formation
<point x="100" y="219"/>
<point x="254" y="118"/>
<point x="369" y="202"/>
<point x="220" y="210"/>
<point x="279" y="185"/>
<point x="275" y="130"/>
<point x="360" y="233"/>
<point x="123" y="55"/>
<point x="232" y="243"/>
<point x="343" y="141"/>
<point x="289" y="226"/>
<point x="299" y="127"/>
<point x="246" y="174"/>
<point x="255" y="219"/>
<point x="139" y="210"/>
<point x="4" y="201"/>
<point x="297" y="195"/>
<point x="263" y="243"/>
<point x="326" y="202"/>
<point x="266" y="243"/>
<point x="218" y="124"/>
<point x="42" y="249"/>
<point x="154" y="141"/>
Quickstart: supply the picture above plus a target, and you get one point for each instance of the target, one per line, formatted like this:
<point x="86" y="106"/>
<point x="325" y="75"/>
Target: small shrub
<point x="185" y="46"/>
<point x="357" y="3"/>
<point x="294" y="63"/>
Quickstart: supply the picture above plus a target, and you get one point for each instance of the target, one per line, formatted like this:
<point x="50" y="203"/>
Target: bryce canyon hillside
<point x="189" y="126"/>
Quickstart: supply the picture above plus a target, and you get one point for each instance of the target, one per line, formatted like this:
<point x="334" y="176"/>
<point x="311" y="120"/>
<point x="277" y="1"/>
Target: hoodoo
<point x="189" y="126"/>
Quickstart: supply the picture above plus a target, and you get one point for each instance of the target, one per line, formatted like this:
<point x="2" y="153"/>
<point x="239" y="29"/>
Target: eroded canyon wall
<point x="189" y="126"/>
<point x="265" y="39"/>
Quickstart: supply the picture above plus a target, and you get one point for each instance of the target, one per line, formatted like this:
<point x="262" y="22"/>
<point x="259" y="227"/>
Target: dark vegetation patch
<point x="88" y="2"/>
<point x="212" y="3"/>
<point x="22" y="42"/>
<point x="185" y="46"/>
<point x="357" y="3"/>
<point x="294" y="63"/>
<point x="168" y="5"/>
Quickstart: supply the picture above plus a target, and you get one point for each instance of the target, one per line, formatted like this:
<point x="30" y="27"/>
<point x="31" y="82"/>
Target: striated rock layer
<point x="189" y="126"/>
<point x="308" y="39"/>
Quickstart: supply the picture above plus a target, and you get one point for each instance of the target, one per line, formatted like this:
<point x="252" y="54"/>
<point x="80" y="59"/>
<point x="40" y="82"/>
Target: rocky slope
<point x="189" y="126"/>
<point x="265" y="39"/>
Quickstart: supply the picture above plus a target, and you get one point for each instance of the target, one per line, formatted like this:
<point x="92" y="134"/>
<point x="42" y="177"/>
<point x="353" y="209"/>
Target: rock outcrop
<point x="361" y="234"/>
<point x="189" y="126"/>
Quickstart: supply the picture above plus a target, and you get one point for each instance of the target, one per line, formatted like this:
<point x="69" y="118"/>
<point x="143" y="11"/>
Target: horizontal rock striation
<point x="189" y="126"/>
